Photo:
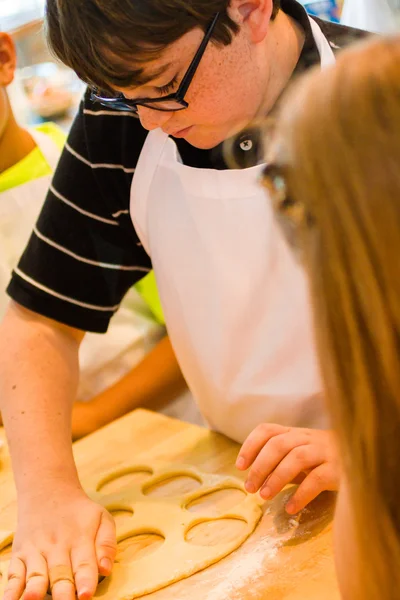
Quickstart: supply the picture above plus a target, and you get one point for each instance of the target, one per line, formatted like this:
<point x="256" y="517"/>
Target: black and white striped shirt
<point x="84" y="253"/>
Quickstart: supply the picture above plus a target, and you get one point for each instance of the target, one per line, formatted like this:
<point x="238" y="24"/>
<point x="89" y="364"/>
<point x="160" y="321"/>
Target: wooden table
<point x="284" y="559"/>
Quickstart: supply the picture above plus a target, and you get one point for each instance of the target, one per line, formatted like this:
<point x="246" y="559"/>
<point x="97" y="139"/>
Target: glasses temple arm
<point x="196" y="59"/>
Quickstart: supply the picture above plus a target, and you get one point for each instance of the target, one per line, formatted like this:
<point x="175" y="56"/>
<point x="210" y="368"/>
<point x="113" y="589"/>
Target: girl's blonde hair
<point x="337" y="184"/>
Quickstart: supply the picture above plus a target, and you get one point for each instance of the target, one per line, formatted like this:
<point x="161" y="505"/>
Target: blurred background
<point x="45" y="90"/>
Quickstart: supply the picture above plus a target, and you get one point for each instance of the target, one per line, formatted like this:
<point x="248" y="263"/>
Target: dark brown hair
<point x="106" y="42"/>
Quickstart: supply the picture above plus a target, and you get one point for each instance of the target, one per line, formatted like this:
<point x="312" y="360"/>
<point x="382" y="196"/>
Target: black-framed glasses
<point x="172" y="102"/>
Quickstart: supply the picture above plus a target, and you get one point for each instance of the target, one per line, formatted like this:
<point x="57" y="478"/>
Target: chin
<point x="204" y="141"/>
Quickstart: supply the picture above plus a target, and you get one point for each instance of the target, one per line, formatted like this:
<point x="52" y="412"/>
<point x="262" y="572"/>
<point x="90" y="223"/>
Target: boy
<point x="194" y="75"/>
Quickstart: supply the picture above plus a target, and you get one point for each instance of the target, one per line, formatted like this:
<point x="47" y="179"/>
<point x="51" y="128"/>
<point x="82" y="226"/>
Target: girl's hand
<point x="277" y="455"/>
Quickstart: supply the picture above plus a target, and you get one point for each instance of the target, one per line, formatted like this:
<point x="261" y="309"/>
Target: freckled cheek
<point x="213" y="102"/>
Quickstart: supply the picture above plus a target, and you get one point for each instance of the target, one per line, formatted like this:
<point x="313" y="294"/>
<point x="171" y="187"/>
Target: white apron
<point x="235" y="301"/>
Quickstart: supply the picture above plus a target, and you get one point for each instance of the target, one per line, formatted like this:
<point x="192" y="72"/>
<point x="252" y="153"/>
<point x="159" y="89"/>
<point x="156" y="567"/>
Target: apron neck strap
<point x="325" y="51"/>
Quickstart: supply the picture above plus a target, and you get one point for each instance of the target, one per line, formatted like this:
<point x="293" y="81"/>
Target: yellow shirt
<point x="34" y="165"/>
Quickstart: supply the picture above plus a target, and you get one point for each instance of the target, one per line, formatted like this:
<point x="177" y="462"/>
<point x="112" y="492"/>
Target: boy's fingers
<point x="300" y="459"/>
<point x="37" y="578"/>
<point x="84" y="565"/>
<point x="106" y="544"/>
<point x="321" y="479"/>
<point x="61" y="578"/>
<point x="255" y="442"/>
<point x="63" y="590"/>
<point x="16" y="579"/>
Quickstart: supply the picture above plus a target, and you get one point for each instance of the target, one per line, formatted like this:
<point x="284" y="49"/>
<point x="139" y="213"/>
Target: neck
<point x="284" y="46"/>
<point x="15" y="144"/>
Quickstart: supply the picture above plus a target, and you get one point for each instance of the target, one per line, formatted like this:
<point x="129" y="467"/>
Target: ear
<point x="8" y="59"/>
<point x="254" y="14"/>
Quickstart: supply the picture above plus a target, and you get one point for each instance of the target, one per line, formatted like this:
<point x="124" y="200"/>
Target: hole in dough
<point x="217" y="502"/>
<point x="122" y="479"/>
<point x="138" y="545"/>
<point x="5" y="553"/>
<point x="120" y="514"/>
<point x="217" y="531"/>
<point x="174" y="485"/>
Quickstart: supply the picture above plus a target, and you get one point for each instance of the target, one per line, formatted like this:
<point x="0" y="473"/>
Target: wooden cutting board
<point x="285" y="558"/>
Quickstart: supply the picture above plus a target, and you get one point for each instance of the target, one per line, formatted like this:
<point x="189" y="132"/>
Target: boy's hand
<point x="63" y="541"/>
<point x="277" y="455"/>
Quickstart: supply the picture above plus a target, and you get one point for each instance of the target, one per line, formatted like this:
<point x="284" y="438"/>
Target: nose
<point x="152" y="119"/>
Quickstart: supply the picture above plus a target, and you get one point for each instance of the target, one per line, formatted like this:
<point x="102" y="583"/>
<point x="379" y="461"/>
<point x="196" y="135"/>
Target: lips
<point x="180" y="132"/>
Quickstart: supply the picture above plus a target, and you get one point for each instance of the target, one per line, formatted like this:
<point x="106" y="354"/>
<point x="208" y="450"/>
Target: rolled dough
<point x="168" y="517"/>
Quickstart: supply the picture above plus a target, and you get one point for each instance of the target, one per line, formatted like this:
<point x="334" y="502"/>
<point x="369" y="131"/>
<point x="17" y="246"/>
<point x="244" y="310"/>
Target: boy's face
<point x="228" y="89"/>
<point x="7" y="69"/>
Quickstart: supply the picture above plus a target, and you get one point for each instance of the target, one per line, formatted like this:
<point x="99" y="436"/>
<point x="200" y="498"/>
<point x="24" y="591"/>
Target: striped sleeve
<point x="84" y="254"/>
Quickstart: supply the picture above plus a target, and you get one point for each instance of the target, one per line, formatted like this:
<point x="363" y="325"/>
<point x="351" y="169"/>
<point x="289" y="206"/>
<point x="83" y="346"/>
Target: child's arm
<point x="277" y="455"/>
<point x="63" y="538"/>
<point x="153" y="383"/>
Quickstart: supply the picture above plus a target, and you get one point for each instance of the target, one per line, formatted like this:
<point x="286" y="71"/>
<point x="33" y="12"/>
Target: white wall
<point x="14" y="13"/>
